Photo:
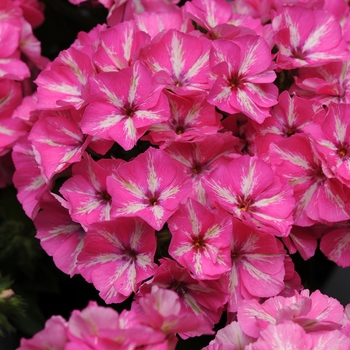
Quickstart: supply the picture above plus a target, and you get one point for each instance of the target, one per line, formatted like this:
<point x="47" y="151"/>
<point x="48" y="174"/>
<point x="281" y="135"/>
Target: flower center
<point x="244" y="203"/>
<point x="105" y="196"/>
<point x="180" y="130"/>
<point x="198" y="242"/>
<point x="153" y="201"/>
<point x="342" y="151"/>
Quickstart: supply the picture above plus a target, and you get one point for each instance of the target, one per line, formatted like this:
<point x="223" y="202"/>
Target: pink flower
<point x="230" y="337"/>
<point x="53" y="336"/>
<point x="201" y="297"/>
<point x="191" y="118"/>
<point x="153" y="192"/>
<point x="335" y="245"/>
<point x="244" y="84"/>
<point x="57" y="140"/>
<point x="86" y="192"/>
<point x="318" y="198"/>
<point x="201" y="240"/>
<point x="257" y="265"/>
<point x="126" y="110"/>
<point x="307" y="37"/>
<point x="248" y="188"/>
<point x="332" y="141"/>
<point x="315" y="312"/>
<point x="163" y="310"/>
<point x="117" y="256"/>
<point x="59" y="236"/>
<point x="181" y="60"/>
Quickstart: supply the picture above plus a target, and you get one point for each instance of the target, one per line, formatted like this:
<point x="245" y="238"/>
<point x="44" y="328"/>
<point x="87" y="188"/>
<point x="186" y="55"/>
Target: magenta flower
<point x="117" y="256"/>
<point x="248" y="188"/>
<point x="201" y="240"/>
<point x="86" y="192"/>
<point x="125" y="110"/>
<point x="57" y="140"/>
<point x="181" y="59"/>
<point x="257" y="265"/>
<point x="245" y="83"/>
<point x="59" y="236"/>
<point x="153" y="192"/>
<point x="307" y="37"/>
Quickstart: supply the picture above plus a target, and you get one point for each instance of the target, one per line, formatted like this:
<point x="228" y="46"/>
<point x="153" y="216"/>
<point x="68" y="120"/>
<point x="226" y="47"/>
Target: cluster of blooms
<point x="248" y="157"/>
<point x="20" y="61"/>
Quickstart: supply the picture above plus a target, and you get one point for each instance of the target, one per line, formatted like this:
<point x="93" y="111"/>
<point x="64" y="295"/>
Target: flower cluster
<point x="219" y="130"/>
<point x="20" y="61"/>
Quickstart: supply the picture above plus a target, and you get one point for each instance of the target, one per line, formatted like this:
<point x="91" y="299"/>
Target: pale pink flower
<point x="53" y="336"/>
<point x="288" y="335"/>
<point x="257" y="265"/>
<point x="163" y="310"/>
<point x="180" y="60"/>
<point x="199" y="296"/>
<point x="307" y="37"/>
<point x="86" y="192"/>
<point x="248" y="188"/>
<point x="314" y="312"/>
<point x="230" y="337"/>
<point x="125" y="110"/>
<point x="59" y="236"/>
<point x="245" y="83"/>
<point x="153" y="192"/>
<point x="201" y="240"/>
<point x="117" y="256"/>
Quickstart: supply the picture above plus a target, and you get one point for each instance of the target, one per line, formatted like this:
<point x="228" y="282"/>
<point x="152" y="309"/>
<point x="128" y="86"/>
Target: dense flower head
<point x="190" y="152"/>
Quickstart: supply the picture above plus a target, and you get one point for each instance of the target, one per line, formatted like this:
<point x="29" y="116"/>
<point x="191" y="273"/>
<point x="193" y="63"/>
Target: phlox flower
<point x="117" y="256"/>
<point x="153" y="192"/>
<point x="307" y="37"/>
<point x="201" y="297"/>
<point x="230" y="337"/>
<point x="57" y="140"/>
<point x="86" y="192"/>
<point x="314" y="312"/>
<point x="198" y="159"/>
<point x="335" y="245"/>
<point x="59" y="236"/>
<point x="62" y="83"/>
<point x="248" y="188"/>
<point x="257" y="261"/>
<point x="163" y="310"/>
<point x="301" y="240"/>
<point x="217" y="15"/>
<point x="325" y="84"/>
<point x="125" y="110"/>
<point x="28" y="179"/>
<point x="292" y="280"/>
<point x="154" y="23"/>
<point x="242" y="78"/>
<point x="180" y="59"/>
<point x="201" y="240"/>
<point x="292" y="115"/>
<point x="288" y="335"/>
<point x="101" y="328"/>
<point x="53" y="336"/>
<point x="191" y="118"/>
<point x="332" y="141"/>
<point x="119" y="47"/>
<point x="318" y="198"/>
